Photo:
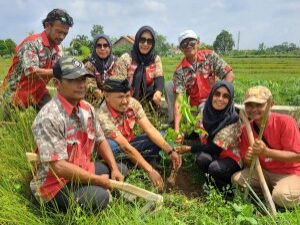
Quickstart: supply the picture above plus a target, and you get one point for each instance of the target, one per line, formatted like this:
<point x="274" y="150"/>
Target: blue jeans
<point x="142" y="143"/>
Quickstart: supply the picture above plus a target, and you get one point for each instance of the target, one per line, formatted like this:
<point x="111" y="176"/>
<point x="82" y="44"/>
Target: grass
<point x="17" y="205"/>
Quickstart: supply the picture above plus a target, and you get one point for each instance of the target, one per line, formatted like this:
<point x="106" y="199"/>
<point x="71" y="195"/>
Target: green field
<point x="281" y="75"/>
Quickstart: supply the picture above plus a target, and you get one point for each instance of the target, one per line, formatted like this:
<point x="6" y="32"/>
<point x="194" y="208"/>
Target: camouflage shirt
<point x="126" y="67"/>
<point x="114" y="123"/>
<point x="96" y="83"/>
<point x="63" y="132"/>
<point x="196" y="80"/>
<point x="228" y="139"/>
<point x="34" y="52"/>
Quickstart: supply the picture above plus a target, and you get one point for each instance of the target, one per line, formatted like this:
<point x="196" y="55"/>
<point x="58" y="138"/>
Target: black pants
<point x="220" y="170"/>
<point x="91" y="197"/>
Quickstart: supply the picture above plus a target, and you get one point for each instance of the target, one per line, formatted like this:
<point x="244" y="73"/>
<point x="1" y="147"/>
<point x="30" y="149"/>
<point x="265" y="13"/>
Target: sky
<point x="269" y="21"/>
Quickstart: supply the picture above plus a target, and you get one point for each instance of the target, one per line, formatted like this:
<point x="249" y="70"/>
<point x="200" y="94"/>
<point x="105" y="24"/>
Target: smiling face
<point x="102" y="48"/>
<point x="255" y="110"/>
<point x="56" y="32"/>
<point x="221" y="98"/>
<point x="145" y="42"/>
<point x="119" y="101"/>
<point x="189" y="47"/>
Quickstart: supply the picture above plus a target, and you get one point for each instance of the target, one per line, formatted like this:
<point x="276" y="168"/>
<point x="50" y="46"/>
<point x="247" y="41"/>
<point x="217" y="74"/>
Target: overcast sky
<point x="268" y="21"/>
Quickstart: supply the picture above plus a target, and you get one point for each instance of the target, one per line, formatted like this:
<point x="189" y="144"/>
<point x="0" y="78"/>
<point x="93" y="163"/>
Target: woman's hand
<point x="117" y="175"/>
<point x="183" y="149"/>
<point x="157" y="98"/>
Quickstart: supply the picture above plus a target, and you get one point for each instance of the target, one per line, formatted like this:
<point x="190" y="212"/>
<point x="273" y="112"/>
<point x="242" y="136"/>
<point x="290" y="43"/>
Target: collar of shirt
<point x="185" y="63"/>
<point x="68" y="107"/>
<point x="112" y="111"/>
<point x="47" y="43"/>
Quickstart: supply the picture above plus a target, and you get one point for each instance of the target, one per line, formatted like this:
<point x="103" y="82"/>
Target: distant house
<point x="126" y="39"/>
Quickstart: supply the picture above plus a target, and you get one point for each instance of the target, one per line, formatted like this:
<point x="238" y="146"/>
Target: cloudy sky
<point x="268" y="21"/>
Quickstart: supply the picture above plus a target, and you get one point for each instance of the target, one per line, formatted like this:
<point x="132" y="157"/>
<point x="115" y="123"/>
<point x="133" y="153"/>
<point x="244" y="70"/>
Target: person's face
<point x="73" y="90"/>
<point x="189" y="47"/>
<point x="145" y="42"/>
<point x="220" y="98"/>
<point x="255" y="110"/>
<point x="118" y="101"/>
<point x="102" y="48"/>
<point x="56" y="32"/>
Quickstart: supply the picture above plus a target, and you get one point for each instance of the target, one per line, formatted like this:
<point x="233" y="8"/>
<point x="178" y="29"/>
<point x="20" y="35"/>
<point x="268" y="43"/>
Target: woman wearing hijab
<point x="100" y="64"/>
<point x="143" y="68"/>
<point x="218" y="154"/>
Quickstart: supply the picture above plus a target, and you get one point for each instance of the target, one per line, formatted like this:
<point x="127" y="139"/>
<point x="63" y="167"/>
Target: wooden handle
<point x="140" y="192"/>
<point x="258" y="168"/>
<point x="150" y="196"/>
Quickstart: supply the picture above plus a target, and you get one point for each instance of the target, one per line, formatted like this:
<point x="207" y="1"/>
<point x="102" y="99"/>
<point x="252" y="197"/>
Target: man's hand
<point x="248" y="156"/>
<point x="157" y="98"/>
<point x="259" y="147"/>
<point x="156" y="179"/>
<point x="176" y="160"/>
<point x="103" y="181"/>
<point x="117" y="175"/>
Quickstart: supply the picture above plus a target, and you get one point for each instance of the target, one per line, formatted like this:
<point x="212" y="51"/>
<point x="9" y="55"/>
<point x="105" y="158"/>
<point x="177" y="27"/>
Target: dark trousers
<point x="142" y="143"/>
<point x="220" y="170"/>
<point x="88" y="196"/>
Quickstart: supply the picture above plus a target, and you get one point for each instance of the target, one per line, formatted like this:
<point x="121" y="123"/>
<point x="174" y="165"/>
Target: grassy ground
<point x="18" y="207"/>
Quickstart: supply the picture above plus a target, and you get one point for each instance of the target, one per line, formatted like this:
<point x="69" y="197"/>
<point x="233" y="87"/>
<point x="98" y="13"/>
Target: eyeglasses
<point x="143" y="40"/>
<point x="102" y="45"/>
<point x="188" y="43"/>
<point x="219" y="94"/>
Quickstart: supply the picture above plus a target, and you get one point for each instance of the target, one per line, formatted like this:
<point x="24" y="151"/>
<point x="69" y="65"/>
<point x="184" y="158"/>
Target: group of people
<point x="98" y="103"/>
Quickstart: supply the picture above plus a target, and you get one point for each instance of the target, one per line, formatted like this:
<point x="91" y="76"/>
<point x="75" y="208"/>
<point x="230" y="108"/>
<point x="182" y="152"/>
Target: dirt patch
<point x="187" y="184"/>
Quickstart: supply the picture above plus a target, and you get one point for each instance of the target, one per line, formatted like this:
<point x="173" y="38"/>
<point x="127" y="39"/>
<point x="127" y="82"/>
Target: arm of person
<point x="72" y="172"/>
<point x="260" y="148"/>
<point x="105" y="152"/>
<point x="177" y="118"/>
<point x="229" y="77"/>
<point x="158" y="139"/>
<point x="138" y="159"/>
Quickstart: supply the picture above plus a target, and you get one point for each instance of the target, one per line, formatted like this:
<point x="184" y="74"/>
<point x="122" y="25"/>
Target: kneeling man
<point x="118" y="115"/>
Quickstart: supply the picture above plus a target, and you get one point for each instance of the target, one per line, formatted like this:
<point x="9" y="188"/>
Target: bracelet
<point x="170" y="152"/>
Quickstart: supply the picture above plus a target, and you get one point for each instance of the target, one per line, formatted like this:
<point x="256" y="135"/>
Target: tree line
<point x="224" y="44"/>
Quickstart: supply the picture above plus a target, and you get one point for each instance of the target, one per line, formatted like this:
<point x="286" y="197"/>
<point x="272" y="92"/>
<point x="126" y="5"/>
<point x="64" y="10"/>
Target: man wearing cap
<point x="31" y="69"/>
<point x="118" y="115"/>
<point x="66" y="132"/>
<point x="278" y="151"/>
<point x="195" y="75"/>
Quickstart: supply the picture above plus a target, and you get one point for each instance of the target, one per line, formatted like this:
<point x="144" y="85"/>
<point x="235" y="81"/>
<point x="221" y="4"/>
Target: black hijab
<point x="139" y="77"/>
<point x="214" y="120"/>
<point x="102" y="65"/>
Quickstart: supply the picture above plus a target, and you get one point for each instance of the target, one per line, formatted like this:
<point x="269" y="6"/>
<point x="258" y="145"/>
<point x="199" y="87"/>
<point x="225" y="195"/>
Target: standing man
<point x="66" y="132"/>
<point x="118" y="115"/>
<point x="31" y="69"/>
<point x="195" y="75"/>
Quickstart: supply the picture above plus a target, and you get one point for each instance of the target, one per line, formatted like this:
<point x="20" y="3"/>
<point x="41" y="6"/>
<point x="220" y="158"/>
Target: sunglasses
<point x="188" y="43"/>
<point x="102" y="45"/>
<point x="219" y="94"/>
<point x="143" y="40"/>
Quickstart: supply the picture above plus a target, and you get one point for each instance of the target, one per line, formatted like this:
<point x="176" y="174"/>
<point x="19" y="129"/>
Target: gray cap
<point x="69" y="68"/>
